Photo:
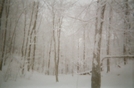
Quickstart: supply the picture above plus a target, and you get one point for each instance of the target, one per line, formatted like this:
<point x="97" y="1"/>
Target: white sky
<point x="81" y="1"/>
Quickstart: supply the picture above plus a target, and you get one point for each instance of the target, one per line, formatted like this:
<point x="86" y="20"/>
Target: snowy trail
<point x="117" y="78"/>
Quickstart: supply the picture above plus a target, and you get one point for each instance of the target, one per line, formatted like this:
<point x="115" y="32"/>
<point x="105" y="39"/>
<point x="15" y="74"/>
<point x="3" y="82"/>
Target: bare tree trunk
<point x="84" y="52"/>
<point x="7" y="9"/>
<point x="34" y="28"/>
<point x="49" y="55"/>
<point x="58" y="50"/>
<point x="30" y="32"/>
<point x="73" y="54"/>
<point x="1" y="11"/>
<point x="23" y="44"/>
<point x="59" y="40"/>
<point x="5" y="30"/>
<point x="96" y="68"/>
<point x="126" y="38"/>
<point x="9" y="37"/>
<point x="29" y="51"/>
<point x="55" y="57"/>
<point x="54" y="41"/>
<point x="78" y="55"/>
<point x="108" y="52"/>
<point x="108" y="40"/>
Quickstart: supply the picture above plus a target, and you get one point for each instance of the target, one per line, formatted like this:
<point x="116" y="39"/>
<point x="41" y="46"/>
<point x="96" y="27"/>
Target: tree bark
<point x="34" y="29"/>
<point x="29" y="40"/>
<point x="96" y="68"/>
<point x="1" y="11"/>
<point x="50" y="47"/>
<point x="126" y="40"/>
<point x="84" y="48"/>
<point x="7" y="9"/>
<point x="108" y="40"/>
<point x="23" y="44"/>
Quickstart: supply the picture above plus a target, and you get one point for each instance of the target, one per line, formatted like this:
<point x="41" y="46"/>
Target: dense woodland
<point x="65" y="36"/>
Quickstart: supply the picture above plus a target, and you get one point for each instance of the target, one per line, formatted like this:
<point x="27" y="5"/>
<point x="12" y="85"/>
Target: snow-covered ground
<point x="118" y="78"/>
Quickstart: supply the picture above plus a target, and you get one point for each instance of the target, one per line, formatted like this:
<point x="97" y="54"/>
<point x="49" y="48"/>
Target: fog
<point x="66" y="37"/>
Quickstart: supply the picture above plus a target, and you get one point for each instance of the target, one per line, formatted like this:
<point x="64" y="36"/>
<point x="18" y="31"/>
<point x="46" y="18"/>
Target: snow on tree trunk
<point x="96" y="68"/>
<point x="108" y="40"/>
<point x="23" y="44"/>
<point x="29" y="40"/>
<point x="34" y="28"/>
<point x="126" y="38"/>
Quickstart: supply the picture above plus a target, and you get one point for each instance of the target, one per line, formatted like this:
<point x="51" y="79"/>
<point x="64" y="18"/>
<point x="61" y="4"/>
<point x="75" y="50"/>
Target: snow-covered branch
<point x="116" y="56"/>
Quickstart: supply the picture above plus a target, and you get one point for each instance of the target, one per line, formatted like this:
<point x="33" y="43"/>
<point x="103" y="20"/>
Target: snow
<point x="43" y="81"/>
<point x="118" y="78"/>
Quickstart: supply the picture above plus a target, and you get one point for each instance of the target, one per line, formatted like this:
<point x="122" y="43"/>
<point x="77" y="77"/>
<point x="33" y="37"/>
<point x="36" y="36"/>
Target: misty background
<point x="65" y="37"/>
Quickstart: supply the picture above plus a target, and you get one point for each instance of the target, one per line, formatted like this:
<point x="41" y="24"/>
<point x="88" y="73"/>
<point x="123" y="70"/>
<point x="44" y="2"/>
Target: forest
<point x="87" y="42"/>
